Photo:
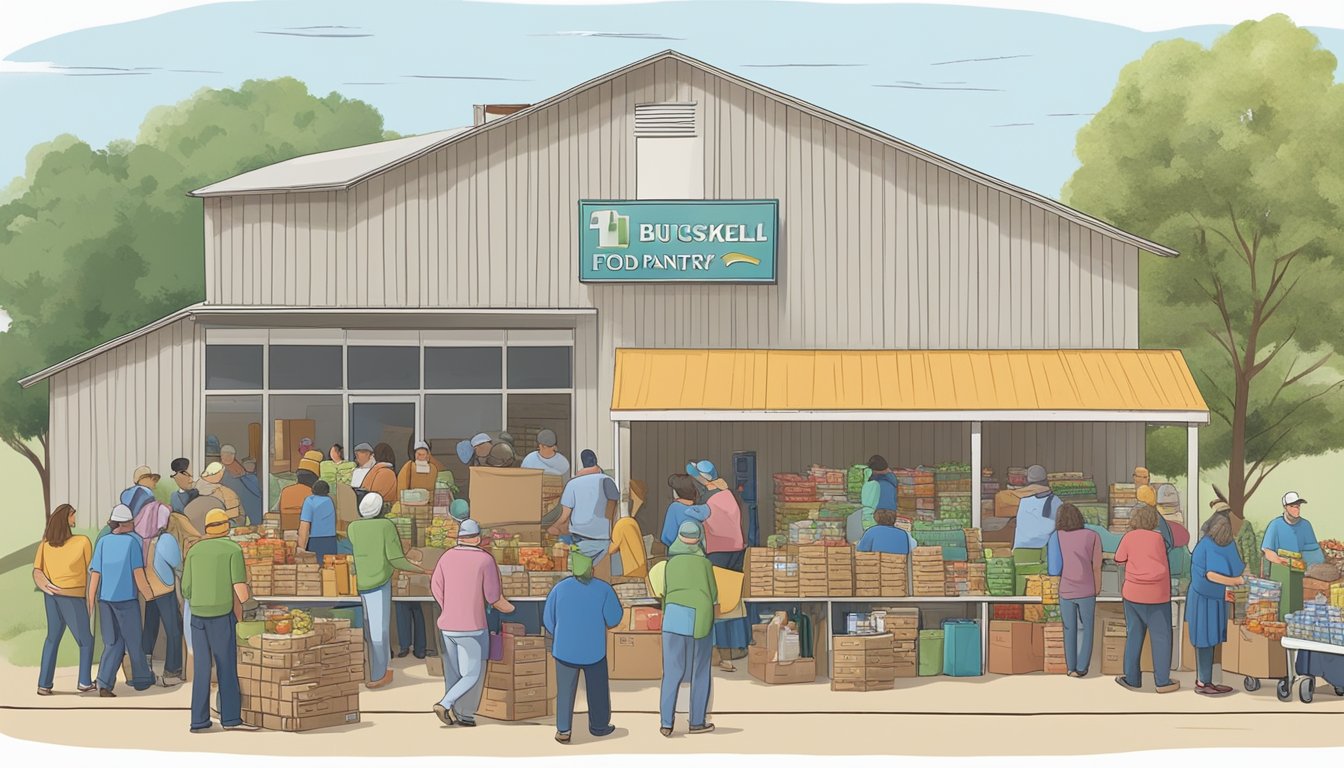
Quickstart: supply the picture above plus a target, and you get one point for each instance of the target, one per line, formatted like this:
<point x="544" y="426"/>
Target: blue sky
<point x="1003" y="91"/>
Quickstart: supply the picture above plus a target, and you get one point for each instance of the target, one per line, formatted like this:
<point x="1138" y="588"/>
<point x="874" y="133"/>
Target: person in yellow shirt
<point x="61" y="571"/>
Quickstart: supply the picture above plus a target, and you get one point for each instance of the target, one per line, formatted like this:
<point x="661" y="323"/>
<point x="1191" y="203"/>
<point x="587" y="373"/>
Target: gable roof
<point x="409" y="152"/>
<point x="325" y="171"/>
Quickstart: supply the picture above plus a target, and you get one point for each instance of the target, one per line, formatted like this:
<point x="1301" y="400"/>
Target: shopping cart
<point x="1329" y="667"/>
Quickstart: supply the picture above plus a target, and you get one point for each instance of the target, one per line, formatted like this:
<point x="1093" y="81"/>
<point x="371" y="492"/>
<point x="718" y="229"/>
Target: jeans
<point x="322" y="546"/>
<point x="377" y="631"/>
<point x="1079" y="620"/>
<point x="215" y="640"/>
<point x="464" y="657"/>
<point x="685" y="658"/>
<point x="1155" y="620"/>
<point x="594" y="549"/>
<point x="122" y="632"/>
<point x="165" y="608"/>
<point x="65" y="612"/>
<point x="411" y="627"/>
<point x="1204" y="657"/>
<point x="599" y="695"/>
<point x="186" y="622"/>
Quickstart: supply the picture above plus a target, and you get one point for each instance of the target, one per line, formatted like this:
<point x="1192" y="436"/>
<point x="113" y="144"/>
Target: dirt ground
<point x="1020" y="715"/>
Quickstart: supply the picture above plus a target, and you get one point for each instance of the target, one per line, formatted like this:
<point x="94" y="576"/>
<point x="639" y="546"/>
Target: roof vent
<point x="663" y="120"/>
<point x="487" y="112"/>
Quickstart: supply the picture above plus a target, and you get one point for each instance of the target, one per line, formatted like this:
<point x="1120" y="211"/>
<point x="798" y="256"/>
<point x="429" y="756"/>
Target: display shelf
<point x="355" y="599"/>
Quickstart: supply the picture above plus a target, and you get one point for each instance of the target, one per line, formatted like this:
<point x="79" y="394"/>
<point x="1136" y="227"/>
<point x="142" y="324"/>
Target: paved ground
<point x="1023" y="715"/>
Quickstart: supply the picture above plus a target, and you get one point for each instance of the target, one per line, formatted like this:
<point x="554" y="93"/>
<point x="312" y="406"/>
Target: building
<point x="899" y="302"/>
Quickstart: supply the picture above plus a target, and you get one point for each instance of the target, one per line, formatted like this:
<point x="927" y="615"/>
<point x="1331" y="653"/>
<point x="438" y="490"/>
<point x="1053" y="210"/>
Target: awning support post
<point x="621" y="460"/>
<point x="976" y="460"/>
<point x="1192" y="481"/>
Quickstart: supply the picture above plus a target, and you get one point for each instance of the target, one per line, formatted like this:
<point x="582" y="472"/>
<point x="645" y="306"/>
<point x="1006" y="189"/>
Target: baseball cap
<point x="121" y="514"/>
<point x="469" y="529"/>
<point x="371" y="505"/>
<point x="142" y="472"/>
<point x="547" y="437"/>
<point x="702" y="468"/>
<point x="690" y="530"/>
<point x="215" y="518"/>
<point x="1291" y="498"/>
<point x="459" y="510"/>
<point x="480" y="439"/>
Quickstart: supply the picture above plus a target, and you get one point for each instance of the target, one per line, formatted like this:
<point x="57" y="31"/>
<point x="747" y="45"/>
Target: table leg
<point x="1178" y="632"/>
<point x="830" y="641"/>
<point x="984" y="638"/>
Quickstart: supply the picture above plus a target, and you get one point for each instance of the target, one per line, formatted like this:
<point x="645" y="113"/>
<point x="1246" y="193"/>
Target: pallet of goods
<point x="517" y="687"/>
<point x="1072" y="486"/>
<point x="1318" y="621"/>
<point x="989" y="486"/>
<point x="929" y="580"/>
<point x="831" y="484"/>
<point x="955" y="507"/>
<point x="952" y="478"/>
<point x="864" y="663"/>
<point x="300" y="673"/>
<point x="1122" y="498"/>
<point x="956" y="578"/>
<point x="916" y="493"/>
<point x="854" y="480"/>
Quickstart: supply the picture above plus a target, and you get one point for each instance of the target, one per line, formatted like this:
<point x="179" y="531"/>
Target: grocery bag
<point x="961" y="648"/>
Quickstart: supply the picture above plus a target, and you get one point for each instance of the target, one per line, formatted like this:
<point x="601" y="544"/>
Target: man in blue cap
<point x="587" y="509"/>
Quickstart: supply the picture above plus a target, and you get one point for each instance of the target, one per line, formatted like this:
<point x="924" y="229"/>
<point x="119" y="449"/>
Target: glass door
<point x="392" y="420"/>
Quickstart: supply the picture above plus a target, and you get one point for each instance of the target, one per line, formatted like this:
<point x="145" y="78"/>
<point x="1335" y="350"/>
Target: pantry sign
<point x="678" y="241"/>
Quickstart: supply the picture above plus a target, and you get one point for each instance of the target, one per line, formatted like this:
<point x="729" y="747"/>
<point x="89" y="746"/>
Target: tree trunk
<point x="41" y="465"/>
<point x="1236" y="463"/>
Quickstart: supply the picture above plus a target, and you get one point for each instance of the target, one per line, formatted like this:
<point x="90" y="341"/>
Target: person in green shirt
<point x="689" y="594"/>
<point x="214" y="579"/>
<point x="378" y="552"/>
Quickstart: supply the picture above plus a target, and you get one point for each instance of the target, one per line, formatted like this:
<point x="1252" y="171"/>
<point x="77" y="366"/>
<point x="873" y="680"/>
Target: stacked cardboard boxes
<point x="864" y="663"/>
<point x="1123" y="497"/>
<point x="831" y="484"/>
<point x="513" y="580"/>
<point x="773" y="657"/>
<point x="1054" y="649"/>
<point x="308" y="580"/>
<point x="840" y="571"/>
<point x="261" y="579"/>
<point x="903" y="625"/>
<point x="516" y="686"/>
<point x="813" y="575"/>
<point x="1000" y="576"/>
<point x="540" y="583"/>
<point x="1113" y="636"/>
<point x="302" y="682"/>
<point x="975" y="546"/>
<point x="928" y="567"/>
<point x="338" y="576"/>
<point x="286" y="580"/>
<point x="878" y="574"/>
<point x="976" y="578"/>
<point x="956" y="578"/>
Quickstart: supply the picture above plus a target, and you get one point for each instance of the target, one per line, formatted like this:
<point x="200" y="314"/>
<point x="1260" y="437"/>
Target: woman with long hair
<point x="61" y="571"/>
<point x="1215" y="565"/>
<point x="1074" y="555"/>
<point x="1147" y="598"/>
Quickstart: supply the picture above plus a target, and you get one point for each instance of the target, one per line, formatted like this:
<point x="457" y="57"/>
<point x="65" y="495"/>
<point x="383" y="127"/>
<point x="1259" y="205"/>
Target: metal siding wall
<point x="135" y="405"/>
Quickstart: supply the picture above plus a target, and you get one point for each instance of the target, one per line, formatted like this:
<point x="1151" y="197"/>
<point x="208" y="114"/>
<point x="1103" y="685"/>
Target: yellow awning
<point x="969" y="385"/>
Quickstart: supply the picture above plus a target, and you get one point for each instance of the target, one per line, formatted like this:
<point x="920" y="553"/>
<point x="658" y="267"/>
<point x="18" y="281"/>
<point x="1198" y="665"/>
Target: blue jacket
<point x="578" y="615"/>
<point x="678" y="513"/>
<point x="886" y="483"/>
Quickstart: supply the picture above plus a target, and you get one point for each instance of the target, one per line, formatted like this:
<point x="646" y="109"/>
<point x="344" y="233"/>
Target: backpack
<point x="156" y="586"/>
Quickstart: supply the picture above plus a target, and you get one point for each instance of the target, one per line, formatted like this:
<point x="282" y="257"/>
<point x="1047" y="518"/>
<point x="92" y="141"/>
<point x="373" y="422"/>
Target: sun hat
<point x="215" y="518"/>
<point x="121" y="514"/>
<point x="470" y="529"/>
<point x="142" y="472"/>
<point x="703" y="469"/>
<point x="371" y="505"/>
<point x="1147" y="494"/>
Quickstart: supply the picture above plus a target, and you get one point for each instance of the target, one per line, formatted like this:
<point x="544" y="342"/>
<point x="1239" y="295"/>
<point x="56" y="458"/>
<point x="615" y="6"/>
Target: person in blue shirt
<point x="577" y="614"/>
<point x="682" y="508"/>
<point x="116" y="577"/>
<point x="1293" y="533"/>
<point x="1215" y="566"/>
<point x="879" y="492"/>
<point x="1036" y="515"/>
<point x="166" y="564"/>
<point x="317" y="522"/>
<point x="885" y="536"/>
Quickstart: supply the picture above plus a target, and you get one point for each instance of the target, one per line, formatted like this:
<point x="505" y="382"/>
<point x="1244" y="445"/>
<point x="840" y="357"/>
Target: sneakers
<point x="666" y="731"/>
<point x="1172" y="687"/>
<point x="610" y="729"/>
<point x="376" y="684"/>
<point x="562" y="737"/>
<point x="242" y="727"/>
<point x="1125" y="684"/>
<point x="91" y="687"/>
<point x="170" y="681"/>
<point x="444" y="715"/>
<point x="706" y="728"/>
<point x="464" y="722"/>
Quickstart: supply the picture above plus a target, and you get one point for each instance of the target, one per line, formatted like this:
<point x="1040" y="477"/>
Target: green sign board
<point x="678" y="241"/>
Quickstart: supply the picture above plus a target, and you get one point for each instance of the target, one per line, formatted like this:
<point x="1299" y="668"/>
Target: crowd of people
<point x="192" y="583"/>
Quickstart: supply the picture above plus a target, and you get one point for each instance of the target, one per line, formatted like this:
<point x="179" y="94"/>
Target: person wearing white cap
<point x="116" y="579"/>
<point x="1293" y="533"/>
<point x="465" y="580"/>
<point x="547" y="457"/>
<point x="475" y="451"/>
<point x="377" y="551"/>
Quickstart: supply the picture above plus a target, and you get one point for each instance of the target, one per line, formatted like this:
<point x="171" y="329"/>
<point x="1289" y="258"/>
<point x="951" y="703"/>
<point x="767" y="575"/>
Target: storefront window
<point x="231" y="366"/>
<point x="234" y="421"/>
<point x="449" y="419"/>
<point x="305" y="367"/>
<point x="383" y="368"/>
<point x="529" y="414"/>
<point x="463" y="368"/>
<point x="300" y="423"/>
<point x="540" y="367"/>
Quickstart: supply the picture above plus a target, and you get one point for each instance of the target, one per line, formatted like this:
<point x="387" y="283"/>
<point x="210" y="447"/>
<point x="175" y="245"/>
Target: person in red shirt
<point x="1147" y="598"/>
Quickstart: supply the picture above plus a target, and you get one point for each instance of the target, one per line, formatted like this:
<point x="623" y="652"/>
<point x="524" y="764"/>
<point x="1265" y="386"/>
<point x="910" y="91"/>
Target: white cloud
<point x="5" y="320"/>
<point x="28" y="23"/>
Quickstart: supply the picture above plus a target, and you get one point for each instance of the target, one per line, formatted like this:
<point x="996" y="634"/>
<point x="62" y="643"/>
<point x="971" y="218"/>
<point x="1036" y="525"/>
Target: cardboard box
<point x="501" y="497"/>
<point x="777" y="672"/>
<point x="498" y="710"/>
<point x="516" y="697"/>
<point x="1112" y="656"/>
<point x="1007" y="500"/>
<point x="862" y="686"/>
<point x="434" y="666"/>
<point x="635" y="655"/>
<point x="1250" y="655"/>
<point x="295" y="724"/>
<point x="862" y="642"/>
<point x="1016" y="647"/>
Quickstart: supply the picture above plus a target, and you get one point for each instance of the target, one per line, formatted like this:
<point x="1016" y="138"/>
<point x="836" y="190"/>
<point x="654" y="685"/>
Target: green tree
<point x="97" y="242"/>
<point x="1232" y="154"/>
